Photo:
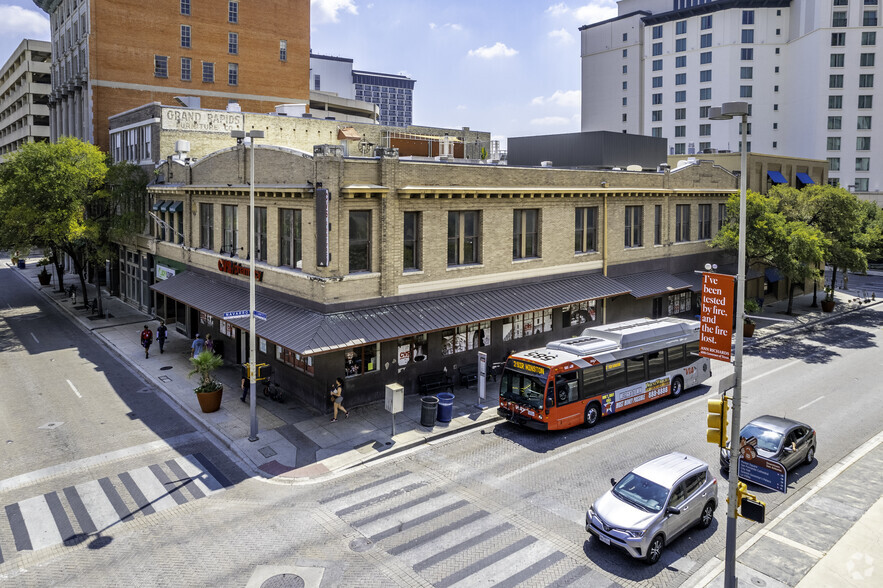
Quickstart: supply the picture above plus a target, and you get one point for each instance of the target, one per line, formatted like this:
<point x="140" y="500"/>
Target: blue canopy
<point x="777" y="177"/>
<point x="804" y="178"/>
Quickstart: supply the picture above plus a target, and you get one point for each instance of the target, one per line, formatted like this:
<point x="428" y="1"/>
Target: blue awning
<point x="777" y="177"/>
<point x="804" y="178"/>
<point x="772" y="275"/>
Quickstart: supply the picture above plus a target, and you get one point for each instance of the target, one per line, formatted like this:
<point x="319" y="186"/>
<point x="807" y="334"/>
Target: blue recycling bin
<point x="445" y="407"/>
<point x="21" y="264"/>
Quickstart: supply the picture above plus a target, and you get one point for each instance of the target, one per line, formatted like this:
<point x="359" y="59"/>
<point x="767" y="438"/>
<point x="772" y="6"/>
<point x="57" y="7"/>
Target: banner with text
<point x="716" y="317"/>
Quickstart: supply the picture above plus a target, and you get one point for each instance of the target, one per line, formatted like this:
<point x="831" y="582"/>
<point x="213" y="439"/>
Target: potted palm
<point x="751" y="307"/>
<point x="828" y="302"/>
<point x="209" y="390"/>
<point x="44" y="276"/>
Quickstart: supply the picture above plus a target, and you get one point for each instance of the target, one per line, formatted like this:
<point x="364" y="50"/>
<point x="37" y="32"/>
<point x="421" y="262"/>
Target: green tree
<point x="45" y="191"/>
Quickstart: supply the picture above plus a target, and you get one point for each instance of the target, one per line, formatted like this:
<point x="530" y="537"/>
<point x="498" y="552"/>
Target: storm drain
<point x="284" y="581"/>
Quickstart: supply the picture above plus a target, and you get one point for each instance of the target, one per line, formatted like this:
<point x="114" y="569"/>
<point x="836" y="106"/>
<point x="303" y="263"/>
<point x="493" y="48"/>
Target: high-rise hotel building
<point x="807" y="69"/>
<point x="110" y="56"/>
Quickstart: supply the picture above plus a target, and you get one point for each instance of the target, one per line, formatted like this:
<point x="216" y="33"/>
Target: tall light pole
<point x="727" y="111"/>
<point x="252" y="337"/>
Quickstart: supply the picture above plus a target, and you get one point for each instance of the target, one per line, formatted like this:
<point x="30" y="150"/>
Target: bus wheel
<point x="593" y="413"/>
<point x="677" y="386"/>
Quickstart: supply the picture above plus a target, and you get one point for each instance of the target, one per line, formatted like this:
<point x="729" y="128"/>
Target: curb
<point x="823" y="320"/>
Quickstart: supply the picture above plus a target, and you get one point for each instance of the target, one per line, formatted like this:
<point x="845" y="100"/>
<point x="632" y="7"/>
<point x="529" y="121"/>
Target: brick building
<point x="110" y="56"/>
<point x="427" y="262"/>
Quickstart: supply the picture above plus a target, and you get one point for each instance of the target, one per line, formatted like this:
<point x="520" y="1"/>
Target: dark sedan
<point x="779" y="439"/>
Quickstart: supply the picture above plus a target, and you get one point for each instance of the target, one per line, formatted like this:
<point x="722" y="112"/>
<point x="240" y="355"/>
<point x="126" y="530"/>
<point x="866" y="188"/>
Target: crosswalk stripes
<point x="92" y="507"/>
<point x="400" y="513"/>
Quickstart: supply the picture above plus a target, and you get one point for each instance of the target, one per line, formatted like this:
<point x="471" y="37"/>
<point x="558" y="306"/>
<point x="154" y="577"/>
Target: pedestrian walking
<point x="197" y="346"/>
<point x="244" y="383"/>
<point x="337" y="399"/>
<point x="209" y="343"/>
<point x="146" y="340"/>
<point x="162" y="333"/>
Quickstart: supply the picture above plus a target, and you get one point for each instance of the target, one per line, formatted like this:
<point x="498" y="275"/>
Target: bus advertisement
<point x="604" y="370"/>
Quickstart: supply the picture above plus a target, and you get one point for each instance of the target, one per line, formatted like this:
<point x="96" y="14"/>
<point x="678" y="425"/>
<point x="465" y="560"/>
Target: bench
<point x="468" y="374"/>
<point x="433" y="381"/>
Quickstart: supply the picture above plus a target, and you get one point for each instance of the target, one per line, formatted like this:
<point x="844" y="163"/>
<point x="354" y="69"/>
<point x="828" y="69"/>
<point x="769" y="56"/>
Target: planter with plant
<point x="44" y="276"/>
<point x="828" y="302"/>
<point x="751" y="307"/>
<point x="209" y="390"/>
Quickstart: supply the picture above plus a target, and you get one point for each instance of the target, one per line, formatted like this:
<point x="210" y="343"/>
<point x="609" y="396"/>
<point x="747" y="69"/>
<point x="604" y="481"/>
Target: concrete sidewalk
<point x="295" y="443"/>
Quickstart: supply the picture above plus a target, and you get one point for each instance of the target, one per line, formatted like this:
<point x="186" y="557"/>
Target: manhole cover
<point x="267" y="452"/>
<point x="361" y="544"/>
<point x="284" y="581"/>
<point x="757" y="581"/>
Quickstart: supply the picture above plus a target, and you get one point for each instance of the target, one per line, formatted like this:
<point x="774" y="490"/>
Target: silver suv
<point x="653" y="504"/>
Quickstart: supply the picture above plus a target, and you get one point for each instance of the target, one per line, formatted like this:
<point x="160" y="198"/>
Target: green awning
<point x="176" y="206"/>
<point x="157" y="204"/>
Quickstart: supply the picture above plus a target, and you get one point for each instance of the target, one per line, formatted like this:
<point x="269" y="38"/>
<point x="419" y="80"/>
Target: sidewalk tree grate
<point x="284" y="581"/>
<point x="361" y="544"/>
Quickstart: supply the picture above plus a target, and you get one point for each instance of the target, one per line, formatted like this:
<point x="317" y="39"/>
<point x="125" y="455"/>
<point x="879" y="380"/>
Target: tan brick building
<point x="428" y="262"/>
<point x="110" y="56"/>
<point x="764" y="170"/>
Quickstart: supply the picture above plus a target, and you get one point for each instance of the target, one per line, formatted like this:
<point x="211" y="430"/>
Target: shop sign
<point x="163" y="272"/>
<point x="185" y="119"/>
<point x="238" y="269"/>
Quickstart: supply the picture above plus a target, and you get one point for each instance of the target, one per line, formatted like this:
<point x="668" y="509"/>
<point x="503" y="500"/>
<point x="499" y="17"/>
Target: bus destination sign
<point x="530" y="368"/>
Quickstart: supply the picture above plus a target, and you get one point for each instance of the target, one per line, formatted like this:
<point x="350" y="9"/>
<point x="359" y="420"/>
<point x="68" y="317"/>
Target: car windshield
<point x="641" y="492"/>
<point x="523" y="389"/>
<point x="767" y="440"/>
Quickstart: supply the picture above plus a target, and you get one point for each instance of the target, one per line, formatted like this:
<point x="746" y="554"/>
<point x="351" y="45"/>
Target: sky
<point x="508" y="67"/>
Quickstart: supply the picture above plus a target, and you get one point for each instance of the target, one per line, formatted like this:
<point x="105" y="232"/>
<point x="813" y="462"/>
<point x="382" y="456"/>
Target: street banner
<point x="716" y="316"/>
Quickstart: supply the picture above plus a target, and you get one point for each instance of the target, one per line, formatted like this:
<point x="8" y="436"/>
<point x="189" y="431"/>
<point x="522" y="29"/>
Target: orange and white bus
<point x="605" y="370"/>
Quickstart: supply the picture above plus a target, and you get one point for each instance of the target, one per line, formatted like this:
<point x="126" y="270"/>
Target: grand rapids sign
<point x="206" y="121"/>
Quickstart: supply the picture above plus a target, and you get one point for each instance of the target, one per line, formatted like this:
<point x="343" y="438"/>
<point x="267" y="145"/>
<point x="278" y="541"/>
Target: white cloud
<point x="558" y="9"/>
<point x="550" y="121"/>
<point x="461" y="107"/>
<point x="454" y="26"/>
<point x="432" y="25"/>
<point x="566" y="98"/>
<point x="21" y="22"/>
<point x="329" y="10"/>
<point x="497" y="50"/>
<point x="595" y="11"/>
<point x="561" y="35"/>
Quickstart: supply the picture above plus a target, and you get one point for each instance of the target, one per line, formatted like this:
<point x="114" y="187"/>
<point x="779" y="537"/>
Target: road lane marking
<point x="772" y="371"/>
<point x="809" y="403"/>
<point x="97" y="505"/>
<point x="35" y="338"/>
<point x="74" y="388"/>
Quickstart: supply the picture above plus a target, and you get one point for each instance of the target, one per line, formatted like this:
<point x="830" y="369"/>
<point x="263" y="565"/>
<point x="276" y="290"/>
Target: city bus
<point x="603" y="371"/>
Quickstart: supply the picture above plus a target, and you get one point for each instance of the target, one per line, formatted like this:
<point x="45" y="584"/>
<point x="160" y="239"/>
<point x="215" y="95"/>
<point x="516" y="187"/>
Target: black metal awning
<point x="648" y="284"/>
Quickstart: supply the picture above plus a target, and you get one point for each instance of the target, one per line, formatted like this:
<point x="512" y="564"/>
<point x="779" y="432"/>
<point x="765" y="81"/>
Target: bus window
<point x="566" y="388"/>
<point x="692" y="352"/>
<point x="593" y="381"/>
<point x="634" y="368"/>
<point x="655" y="365"/>
<point x="614" y="374"/>
<point x="523" y="389"/>
<point x="675" y="357"/>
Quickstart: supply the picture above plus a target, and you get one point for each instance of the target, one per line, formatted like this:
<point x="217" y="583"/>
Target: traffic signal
<point x="748" y="506"/>
<point x="717" y="421"/>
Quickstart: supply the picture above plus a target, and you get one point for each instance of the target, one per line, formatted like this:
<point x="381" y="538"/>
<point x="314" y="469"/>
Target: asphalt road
<point x="503" y="505"/>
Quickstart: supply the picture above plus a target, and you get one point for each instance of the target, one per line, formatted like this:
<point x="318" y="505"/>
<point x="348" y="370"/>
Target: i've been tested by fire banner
<point x="716" y="316"/>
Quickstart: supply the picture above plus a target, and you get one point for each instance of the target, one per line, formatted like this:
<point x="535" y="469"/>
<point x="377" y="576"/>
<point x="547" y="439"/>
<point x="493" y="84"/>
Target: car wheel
<point x="810" y="454"/>
<point x="707" y="516"/>
<point x="593" y="414"/>
<point x="654" y="551"/>
<point x="677" y="386"/>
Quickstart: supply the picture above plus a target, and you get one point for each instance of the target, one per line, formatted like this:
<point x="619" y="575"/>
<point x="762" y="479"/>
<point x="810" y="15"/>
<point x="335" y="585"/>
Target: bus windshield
<point x="522" y="388"/>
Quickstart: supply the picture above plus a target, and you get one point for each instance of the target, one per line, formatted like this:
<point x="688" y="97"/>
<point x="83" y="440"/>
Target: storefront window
<point x="300" y="362"/>
<point x="579" y="313"/>
<point x="678" y="303"/>
<point x="412" y="349"/>
<point x="361" y="360"/>
<point x="206" y="319"/>
<point x="527" y="324"/>
<point x="466" y="338"/>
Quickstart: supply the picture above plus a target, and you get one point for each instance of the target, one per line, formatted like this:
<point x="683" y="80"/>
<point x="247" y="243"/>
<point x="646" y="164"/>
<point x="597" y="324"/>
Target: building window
<point x="634" y="226"/>
<point x="657" y="224"/>
<point x="681" y="27"/>
<point x="299" y="362"/>
<point x="657" y="81"/>
<point x="704" y="221"/>
<point x="680" y="79"/>
<point x="838" y="19"/>
<point x="474" y="335"/>
<point x="625" y="37"/>
<point x="656" y="99"/>
<point x="206" y="226"/>
<point x="866" y="81"/>
<point x="682" y="223"/>
<point x="625" y="53"/>
<point x="657" y="32"/>
<point x="705" y="93"/>
<point x="233" y="12"/>
<point x="185" y="69"/>
<point x="834" y="122"/>
<point x="869" y="38"/>
<point x="705" y="75"/>
<point x="747" y="54"/>
<point x="705" y="58"/>
<point x="160" y="66"/>
<point x="861" y="184"/>
<point x="835" y="81"/>
<point x="869" y="18"/>
<point x="862" y="143"/>
<point x="834" y="163"/>
<point x="233" y="43"/>
<point x="625" y="69"/>
<point x="680" y="131"/>
<point x="585" y="232"/>
<point x="745" y="91"/>
<point x="656" y="132"/>
<point x="863" y="123"/>
<point x="185" y="36"/>
<point x="656" y="116"/>
<point x="525" y="234"/>
<point x="680" y="45"/>
<point x="360" y="241"/>
<point x="208" y="72"/>
<point x="625" y="85"/>
<point x="866" y="60"/>
<point x="360" y="360"/>
<point x="746" y="73"/>
<point x="703" y="111"/>
<point x="657" y="49"/>
<point x="411" y="238"/>
<point x="748" y="35"/>
<point x="231" y="230"/>
<point x="185" y="7"/>
<point x="721" y="215"/>
<point x="233" y="74"/>
<point x="657" y="65"/>
<point x="464" y="242"/>
<point x="283" y="50"/>
<point x="747" y="17"/>
<point x="260" y="233"/>
<point x="838" y="39"/>
<point x="680" y="113"/>
<point x="705" y="22"/>
<point x="837" y="60"/>
<point x="290" y="238"/>
<point x="705" y="41"/>
<point x="523" y="325"/>
<point x="681" y="96"/>
<point x="862" y="163"/>
<point x="681" y="61"/>
<point x="625" y="101"/>
<point x="705" y="130"/>
<point x="833" y="144"/>
<point x="835" y="102"/>
<point x="865" y="101"/>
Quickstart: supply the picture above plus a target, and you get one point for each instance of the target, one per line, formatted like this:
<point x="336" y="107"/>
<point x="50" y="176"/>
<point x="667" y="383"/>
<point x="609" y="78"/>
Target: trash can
<point x="21" y="264"/>
<point x="445" y="407"/>
<point x="428" y="410"/>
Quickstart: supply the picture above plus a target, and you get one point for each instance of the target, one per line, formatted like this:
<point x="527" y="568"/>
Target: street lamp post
<point x="727" y="111"/>
<point x="252" y="337"/>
